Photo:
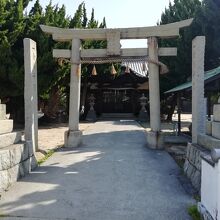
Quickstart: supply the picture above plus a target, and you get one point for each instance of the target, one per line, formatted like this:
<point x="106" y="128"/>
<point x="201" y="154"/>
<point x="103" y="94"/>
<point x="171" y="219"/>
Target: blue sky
<point x="120" y="13"/>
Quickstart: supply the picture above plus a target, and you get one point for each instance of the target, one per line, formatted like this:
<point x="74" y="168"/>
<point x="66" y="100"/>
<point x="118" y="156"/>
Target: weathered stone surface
<point x="30" y="92"/>
<point x="9" y="139"/>
<point x="198" y="102"/>
<point x="13" y="155"/>
<point x="216" y="129"/>
<point x="209" y="127"/>
<point x="2" y="111"/>
<point x="155" y="140"/>
<point x="192" y="165"/>
<point x="11" y="175"/>
<point x="6" y="126"/>
<point x="216" y="112"/>
<point x="73" y="138"/>
<point x="208" y="142"/>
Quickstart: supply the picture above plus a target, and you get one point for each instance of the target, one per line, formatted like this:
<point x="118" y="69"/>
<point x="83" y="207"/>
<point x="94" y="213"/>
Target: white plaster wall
<point x="209" y="189"/>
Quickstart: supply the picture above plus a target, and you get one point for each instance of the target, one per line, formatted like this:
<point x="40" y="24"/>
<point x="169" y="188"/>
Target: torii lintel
<point x="162" y="31"/>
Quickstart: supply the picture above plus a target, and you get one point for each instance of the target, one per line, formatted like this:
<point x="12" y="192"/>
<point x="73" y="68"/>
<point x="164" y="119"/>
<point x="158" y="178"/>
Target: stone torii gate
<point x="113" y="36"/>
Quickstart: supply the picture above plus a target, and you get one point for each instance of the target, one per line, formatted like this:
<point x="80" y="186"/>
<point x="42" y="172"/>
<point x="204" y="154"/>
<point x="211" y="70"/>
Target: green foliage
<point x="15" y="26"/>
<point x="47" y="155"/>
<point x="194" y="213"/>
<point x="206" y="22"/>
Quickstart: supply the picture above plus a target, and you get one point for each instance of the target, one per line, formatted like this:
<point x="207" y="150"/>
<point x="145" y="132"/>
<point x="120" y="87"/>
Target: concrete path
<point x="112" y="176"/>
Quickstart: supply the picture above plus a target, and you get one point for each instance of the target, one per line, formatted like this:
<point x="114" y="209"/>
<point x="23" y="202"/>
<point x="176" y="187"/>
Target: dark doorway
<point x="117" y="100"/>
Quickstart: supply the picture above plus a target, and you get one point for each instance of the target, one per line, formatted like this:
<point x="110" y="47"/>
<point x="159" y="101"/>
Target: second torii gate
<point x="73" y="136"/>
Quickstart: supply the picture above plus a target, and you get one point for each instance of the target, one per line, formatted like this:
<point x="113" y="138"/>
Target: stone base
<point x="91" y="116"/>
<point x="143" y="116"/>
<point x="209" y="127"/>
<point x="9" y="139"/>
<point x="15" y="163"/>
<point x="216" y="129"/>
<point x="6" y="126"/>
<point x="2" y="111"/>
<point x="73" y="138"/>
<point x="208" y="142"/>
<point x="192" y="165"/>
<point x="155" y="140"/>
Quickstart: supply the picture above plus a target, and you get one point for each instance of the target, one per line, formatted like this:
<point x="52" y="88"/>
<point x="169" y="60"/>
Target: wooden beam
<point x="162" y="31"/>
<point x="102" y="53"/>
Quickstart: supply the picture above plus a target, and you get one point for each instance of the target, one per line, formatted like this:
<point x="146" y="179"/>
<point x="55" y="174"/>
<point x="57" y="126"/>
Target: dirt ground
<point x="51" y="137"/>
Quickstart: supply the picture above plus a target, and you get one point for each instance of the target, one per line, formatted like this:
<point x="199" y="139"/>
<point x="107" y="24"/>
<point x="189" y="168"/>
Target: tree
<point x="206" y="22"/>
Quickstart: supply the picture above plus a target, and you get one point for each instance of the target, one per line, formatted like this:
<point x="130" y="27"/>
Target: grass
<point x="47" y="155"/>
<point x="194" y="213"/>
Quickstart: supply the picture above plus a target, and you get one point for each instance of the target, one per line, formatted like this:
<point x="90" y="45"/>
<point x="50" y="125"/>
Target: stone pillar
<point x="154" y="137"/>
<point x="198" y="101"/>
<point x="73" y="136"/>
<point x="30" y="95"/>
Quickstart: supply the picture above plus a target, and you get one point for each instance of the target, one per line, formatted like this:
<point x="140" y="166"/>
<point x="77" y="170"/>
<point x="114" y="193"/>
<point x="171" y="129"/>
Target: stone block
<point x="216" y="112"/>
<point x="2" y="111"/>
<point x="73" y="138"/>
<point x="209" y="127"/>
<point x="4" y="184"/>
<point x="208" y="142"/>
<point x="155" y="140"/>
<point x="11" y="175"/>
<point x="6" y="126"/>
<point x="216" y="129"/>
<point x="9" y="139"/>
<point x="13" y="155"/>
<point x="192" y="165"/>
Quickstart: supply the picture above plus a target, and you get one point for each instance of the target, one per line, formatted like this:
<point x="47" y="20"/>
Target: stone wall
<point x="192" y="166"/>
<point x="15" y="161"/>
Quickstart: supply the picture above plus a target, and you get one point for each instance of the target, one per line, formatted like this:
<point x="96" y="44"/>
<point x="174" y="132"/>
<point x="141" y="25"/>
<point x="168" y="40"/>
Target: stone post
<point x="73" y="136"/>
<point x="198" y="102"/>
<point x="154" y="136"/>
<point x="30" y="95"/>
<point x="154" y="88"/>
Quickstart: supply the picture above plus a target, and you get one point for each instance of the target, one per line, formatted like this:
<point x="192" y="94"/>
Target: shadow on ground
<point x="111" y="176"/>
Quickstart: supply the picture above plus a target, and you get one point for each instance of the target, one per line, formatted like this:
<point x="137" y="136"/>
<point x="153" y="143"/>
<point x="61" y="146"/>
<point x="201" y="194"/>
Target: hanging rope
<point x="163" y="68"/>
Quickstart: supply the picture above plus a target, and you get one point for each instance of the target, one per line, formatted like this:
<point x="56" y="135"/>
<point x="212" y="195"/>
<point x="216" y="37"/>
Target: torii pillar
<point x="154" y="137"/>
<point x="73" y="137"/>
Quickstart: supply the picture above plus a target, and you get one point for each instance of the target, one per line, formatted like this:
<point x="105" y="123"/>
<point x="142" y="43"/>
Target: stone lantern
<point x="143" y="115"/>
<point x="91" y="116"/>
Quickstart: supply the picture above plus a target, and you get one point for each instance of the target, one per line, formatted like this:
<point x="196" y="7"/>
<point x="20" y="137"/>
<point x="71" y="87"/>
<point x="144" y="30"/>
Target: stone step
<point x="9" y="139"/>
<point x="216" y="129"/>
<point x="2" y="111"/>
<point x="117" y="116"/>
<point x="176" y="140"/>
<point x="6" y="126"/>
<point x="13" y="155"/>
<point x="14" y="163"/>
<point x="216" y="112"/>
<point x="208" y="142"/>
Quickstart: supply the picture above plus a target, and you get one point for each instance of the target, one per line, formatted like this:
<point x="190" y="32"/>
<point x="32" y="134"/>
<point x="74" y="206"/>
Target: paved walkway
<point x="112" y="176"/>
